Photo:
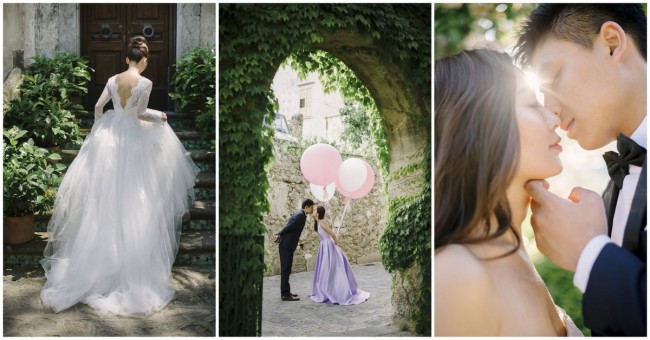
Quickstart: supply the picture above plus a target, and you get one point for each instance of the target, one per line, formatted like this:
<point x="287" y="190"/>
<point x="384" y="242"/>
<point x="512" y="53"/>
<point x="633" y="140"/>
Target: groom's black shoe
<point x="289" y="298"/>
<point x="292" y="294"/>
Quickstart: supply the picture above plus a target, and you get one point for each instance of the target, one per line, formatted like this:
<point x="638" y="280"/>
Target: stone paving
<point x="309" y="318"/>
<point x="191" y="312"/>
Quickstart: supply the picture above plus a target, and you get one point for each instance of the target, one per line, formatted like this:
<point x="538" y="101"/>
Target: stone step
<point x="197" y="248"/>
<point x="204" y="159"/>
<point x="203" y="216"/>
<point x="205" y="186"/>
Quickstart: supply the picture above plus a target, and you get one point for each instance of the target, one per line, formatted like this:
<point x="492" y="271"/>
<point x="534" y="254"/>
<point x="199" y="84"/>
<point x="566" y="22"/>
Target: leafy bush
<point x="357" y="124"/>
<point x="45" y="108"/>
<point x="29" y="178"/>
<point x="194" y="87"/>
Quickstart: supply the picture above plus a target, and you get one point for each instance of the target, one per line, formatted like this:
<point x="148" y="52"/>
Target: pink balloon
<point x="320" y="164"/>
<point x="352" y="174"/>
<point x="365" y="188"/>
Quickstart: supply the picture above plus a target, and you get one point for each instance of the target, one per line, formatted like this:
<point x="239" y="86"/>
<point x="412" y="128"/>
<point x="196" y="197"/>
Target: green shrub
<point x="45" y="108"/>
<point x="29" y="177"/>
<point x="194" y="87"/>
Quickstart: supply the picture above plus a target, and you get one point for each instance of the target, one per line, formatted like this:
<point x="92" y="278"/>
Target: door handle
<point x="105" y="31"/>
<point x="148" y="31"/>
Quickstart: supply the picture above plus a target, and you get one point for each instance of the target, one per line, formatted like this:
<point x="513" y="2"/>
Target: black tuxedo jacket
<point x="614" y="303"/>
<point x="290" y="234"/>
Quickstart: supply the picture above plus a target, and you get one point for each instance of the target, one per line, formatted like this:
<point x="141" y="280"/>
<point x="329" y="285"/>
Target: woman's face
<point x="539" y="144"/>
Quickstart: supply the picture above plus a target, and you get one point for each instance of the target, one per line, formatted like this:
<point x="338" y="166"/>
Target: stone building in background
<point x="305" y="98"/>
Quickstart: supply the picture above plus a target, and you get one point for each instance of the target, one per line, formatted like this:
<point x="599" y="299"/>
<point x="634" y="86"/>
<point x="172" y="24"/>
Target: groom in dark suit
<point x="591" y="59"/>
<point x="288" y="242"/>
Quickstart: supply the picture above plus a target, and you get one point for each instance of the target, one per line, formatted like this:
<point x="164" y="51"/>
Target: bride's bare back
<point x="126" y="82"/>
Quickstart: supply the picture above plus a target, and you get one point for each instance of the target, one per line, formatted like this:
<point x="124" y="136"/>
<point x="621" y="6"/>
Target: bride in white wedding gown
<point x="115" y="230"/>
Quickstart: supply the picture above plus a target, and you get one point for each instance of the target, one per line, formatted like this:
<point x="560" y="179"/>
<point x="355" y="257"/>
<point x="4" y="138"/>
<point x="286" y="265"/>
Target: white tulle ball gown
<point x="115" y="229"/>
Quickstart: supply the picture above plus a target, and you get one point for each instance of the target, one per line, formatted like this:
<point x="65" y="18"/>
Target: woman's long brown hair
<point x="321" y="215"/>
<point x="476" y="147"/>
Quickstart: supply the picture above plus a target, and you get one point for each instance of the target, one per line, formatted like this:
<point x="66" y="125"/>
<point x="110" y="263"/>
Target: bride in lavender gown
<point x="334" y="282"/>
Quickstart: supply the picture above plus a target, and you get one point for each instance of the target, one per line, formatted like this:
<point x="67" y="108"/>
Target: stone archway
<point x="397" y="101"/>
<point x="258" y="39"/>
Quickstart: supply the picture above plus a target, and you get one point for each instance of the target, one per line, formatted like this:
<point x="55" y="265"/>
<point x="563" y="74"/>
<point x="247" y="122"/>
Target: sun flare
<point x="533" y="81"/>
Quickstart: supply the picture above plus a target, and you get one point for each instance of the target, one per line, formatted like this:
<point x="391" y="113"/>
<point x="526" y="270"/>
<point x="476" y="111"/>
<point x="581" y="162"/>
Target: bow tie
<point x="618" y="164"/>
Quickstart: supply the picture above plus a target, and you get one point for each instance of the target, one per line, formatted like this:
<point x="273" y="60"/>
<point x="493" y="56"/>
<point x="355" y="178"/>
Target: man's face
<point x="582" y="87"/>
<point x="309" y="209"/>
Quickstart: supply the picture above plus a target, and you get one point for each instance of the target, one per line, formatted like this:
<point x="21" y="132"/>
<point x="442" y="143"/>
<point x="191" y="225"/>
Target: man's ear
<point x="613" y="36"/>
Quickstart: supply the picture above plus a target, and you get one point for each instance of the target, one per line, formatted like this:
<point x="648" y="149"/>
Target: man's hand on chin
<point x="564" y="227"/>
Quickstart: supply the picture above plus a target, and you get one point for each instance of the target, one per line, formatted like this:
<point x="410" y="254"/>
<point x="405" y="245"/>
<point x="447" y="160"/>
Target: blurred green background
<point x="468" y="26"/>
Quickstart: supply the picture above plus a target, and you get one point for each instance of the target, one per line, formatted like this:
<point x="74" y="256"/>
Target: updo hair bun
<point x="137" y="49"/>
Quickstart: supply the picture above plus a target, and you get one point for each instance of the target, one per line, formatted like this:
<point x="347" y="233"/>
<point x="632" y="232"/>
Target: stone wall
<point x="362" y="226"/>
<point x="39" y="29"/>
<point x="196" y="26"/>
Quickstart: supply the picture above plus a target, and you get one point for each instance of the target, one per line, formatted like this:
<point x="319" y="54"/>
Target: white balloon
<point x="352" y="174"/>
<point x="317" y="191"/>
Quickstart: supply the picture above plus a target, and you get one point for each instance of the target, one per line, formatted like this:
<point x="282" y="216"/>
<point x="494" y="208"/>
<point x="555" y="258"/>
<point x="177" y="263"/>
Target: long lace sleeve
<point x="143" y="113"/>
<point x="103" y="99"/>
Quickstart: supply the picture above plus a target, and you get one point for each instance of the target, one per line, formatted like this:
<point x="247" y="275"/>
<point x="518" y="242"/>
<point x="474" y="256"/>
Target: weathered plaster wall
<point x="12" y="36"/>
<point x="39" y="29"/>
<point x="196" y="24"/>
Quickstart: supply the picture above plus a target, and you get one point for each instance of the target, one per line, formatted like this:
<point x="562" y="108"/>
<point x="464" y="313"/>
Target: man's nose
<point x="552" y="104"/>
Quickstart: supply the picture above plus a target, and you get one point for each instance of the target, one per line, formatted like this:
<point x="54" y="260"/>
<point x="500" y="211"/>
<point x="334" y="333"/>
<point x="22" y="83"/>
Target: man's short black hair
<point x="578" y="23"/>
<point x="307" y="203"/>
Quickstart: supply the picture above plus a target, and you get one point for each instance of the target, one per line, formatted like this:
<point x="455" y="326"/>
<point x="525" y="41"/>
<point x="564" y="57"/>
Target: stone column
<point x="40" y="29"/>
<point x="69" y="28"/>
<point x="46" y="27"/>
<point x="196" y="24"/>
<point x="208" y="24"/>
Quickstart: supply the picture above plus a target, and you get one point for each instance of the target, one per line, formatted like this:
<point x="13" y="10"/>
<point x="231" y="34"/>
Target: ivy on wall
<point x="254" y="41"/>
<point x="407" y="241"/>
<point x="335" y="75"/>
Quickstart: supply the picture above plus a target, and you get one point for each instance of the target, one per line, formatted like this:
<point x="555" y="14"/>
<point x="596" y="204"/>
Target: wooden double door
<point x="106" y="30"/>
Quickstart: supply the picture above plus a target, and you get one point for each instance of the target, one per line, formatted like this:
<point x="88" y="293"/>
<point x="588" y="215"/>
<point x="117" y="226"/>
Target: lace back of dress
<point x="131" y="102"/>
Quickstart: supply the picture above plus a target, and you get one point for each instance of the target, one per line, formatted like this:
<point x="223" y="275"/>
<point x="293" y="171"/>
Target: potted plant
<point x="29" y="180"/>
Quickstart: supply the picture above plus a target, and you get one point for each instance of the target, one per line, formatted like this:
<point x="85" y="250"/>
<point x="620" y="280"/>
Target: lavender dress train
<point x="333" y="278"/>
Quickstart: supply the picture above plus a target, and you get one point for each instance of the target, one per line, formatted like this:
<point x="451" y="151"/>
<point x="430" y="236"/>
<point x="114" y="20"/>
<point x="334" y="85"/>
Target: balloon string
<point x="346" y="208"/>
<point x="327" y="202"/>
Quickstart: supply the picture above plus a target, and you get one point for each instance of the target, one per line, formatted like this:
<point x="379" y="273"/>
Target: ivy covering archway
<point x="385" y="49"/>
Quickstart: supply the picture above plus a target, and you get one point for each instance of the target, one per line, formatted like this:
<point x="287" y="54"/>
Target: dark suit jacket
<point x="614" y="303"/>
<point x="290" y="234"/>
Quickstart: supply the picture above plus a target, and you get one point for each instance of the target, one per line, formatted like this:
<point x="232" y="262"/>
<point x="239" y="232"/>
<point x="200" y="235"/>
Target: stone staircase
<point x="198" y="233"/>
